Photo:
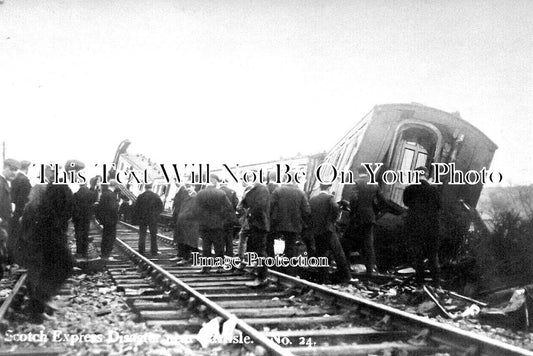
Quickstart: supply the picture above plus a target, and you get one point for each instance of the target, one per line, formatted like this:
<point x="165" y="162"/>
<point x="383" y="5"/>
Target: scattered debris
<point x="515" y="313"/>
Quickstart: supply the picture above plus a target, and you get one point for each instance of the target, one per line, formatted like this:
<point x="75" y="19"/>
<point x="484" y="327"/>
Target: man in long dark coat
<point x="83" y="208"/>
<point x="7" y="175"/>
<point x="107" y="214"/>
<point x="422" y="225"/>
<point x="362" y="220"/>
<point x="256" y="204"/>
<point x="188" y="232"/>
<point x="324" y="214"/>
<point x="44" y="229"/>
<point x="179" y="198"/>
<point x="147" y="209"/>
<point x="20" y="190"/>
<point x="213" y="212"/>
<point x="289" y="211"/>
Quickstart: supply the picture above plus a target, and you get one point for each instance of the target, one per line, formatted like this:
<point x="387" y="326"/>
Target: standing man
<point x="422" y="225"/>
<point x="362" y="220"/>
<point x="8" y="174"/>
<point x="179" y="198"/>
<point x="228" y="229"/>
<point x="213" y="212"/>
<point x="20" y="190"/>
<point x="256" y="204"/>
<point x="147" y="209"/>
<point x="324" y="214"/>
<point x="187" y="229"/>
<point x="289" y="210"/>
<point x="82" y="211"/>
<point x="45" y="224"/>
<point x="271" y="236"/>
<point x="107" y="215"/>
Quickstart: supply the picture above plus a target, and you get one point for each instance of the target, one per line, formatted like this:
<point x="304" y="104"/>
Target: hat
<point x="24" y="164"/>
<point x="12" y="164"/>
<point x="74" y="165"/>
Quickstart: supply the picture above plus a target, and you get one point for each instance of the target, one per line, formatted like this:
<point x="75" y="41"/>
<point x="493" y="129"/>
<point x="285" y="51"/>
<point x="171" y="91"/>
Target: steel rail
<point x="258" y="337"/>
<point x="7" y="302"/>
<point x="493" y="347"/>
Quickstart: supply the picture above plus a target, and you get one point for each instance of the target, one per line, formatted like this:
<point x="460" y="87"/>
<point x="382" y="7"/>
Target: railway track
<point x="14" y="298"/>
<point x="288" y="317"/>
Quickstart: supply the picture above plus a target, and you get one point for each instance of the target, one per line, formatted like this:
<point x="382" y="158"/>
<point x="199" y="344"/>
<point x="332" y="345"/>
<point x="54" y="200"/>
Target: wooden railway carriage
<point x="403" y="137"/>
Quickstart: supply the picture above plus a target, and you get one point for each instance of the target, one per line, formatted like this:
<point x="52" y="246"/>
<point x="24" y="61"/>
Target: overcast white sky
<point x="246" y="81"/>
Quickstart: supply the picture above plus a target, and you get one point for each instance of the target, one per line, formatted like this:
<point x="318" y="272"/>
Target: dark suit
<point x="324" y="214"/>
<point x="289" y="209"/>
<point x="147" y="209"/>
<point x="213" y="212"/>
<point x="422" y="226"/>
<point x="181" y="196"/>
<point x="187" y="232"/>
<point x="362" y="220"/>
<point x="5" y="220"/>
<point x="49" y="261"/>
<point x="256" y="203"/>
<point x="107" y="215"/>
<point x="20" y="190"/>
<point x="228" y="230"/>
<point x="83" y="205"/>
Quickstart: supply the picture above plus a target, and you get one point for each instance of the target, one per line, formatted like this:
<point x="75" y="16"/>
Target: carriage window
<point x="421" y="159"/>
<point x="407" y="159"/>
<point x="414" y="147"/>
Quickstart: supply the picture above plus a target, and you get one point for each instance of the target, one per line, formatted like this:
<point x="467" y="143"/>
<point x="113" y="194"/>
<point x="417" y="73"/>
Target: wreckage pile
<point x="506" y="315"/>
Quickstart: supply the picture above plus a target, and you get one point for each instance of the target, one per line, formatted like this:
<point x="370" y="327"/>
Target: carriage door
<point x="413" y="149"/>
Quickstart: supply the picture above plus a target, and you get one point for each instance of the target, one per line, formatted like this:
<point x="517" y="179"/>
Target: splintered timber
<point x="325" y="173"/>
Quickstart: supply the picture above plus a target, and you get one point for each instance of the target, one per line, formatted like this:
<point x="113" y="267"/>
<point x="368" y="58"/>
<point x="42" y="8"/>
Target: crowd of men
<point x="270" y="211"/>
<point x="34" y="224"/>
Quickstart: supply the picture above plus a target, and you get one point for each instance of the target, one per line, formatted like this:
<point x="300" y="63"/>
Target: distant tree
<point x="525" y="199"/>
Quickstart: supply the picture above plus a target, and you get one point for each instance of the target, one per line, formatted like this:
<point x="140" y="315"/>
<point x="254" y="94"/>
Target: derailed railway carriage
<point x="402" y="137"/>
<point x="405" y="136"/>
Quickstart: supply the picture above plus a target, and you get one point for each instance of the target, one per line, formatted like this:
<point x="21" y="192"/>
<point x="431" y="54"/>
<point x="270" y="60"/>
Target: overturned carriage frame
<point x="402" y="137"/>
